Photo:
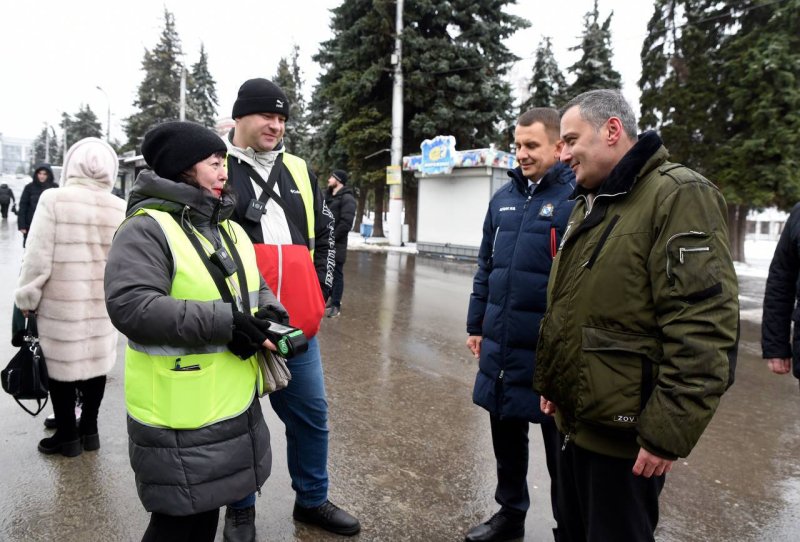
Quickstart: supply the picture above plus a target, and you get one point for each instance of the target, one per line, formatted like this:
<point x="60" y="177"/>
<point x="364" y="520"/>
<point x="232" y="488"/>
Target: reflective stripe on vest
<point x="299" y="172"/>
<point x="157" y="392"/>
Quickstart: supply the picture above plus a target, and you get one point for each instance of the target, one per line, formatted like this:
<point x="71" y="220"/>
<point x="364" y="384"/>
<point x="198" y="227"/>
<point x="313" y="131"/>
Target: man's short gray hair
<point x="597" y="106"/>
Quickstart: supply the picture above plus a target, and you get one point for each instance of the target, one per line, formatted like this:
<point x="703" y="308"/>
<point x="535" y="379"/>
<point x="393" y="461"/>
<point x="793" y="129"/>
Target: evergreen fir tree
<point x="350" y="109"/>
<point x="594" y="69"/>
<point x="547" y="86"/>
<point x="760" y="88"/>
<point x="680" y="79"/>
<point x="83" y="124"/>
<point x="759" y="94"/>
<point x="201" y="100"/>
<point x="720" y="82"/>
<point x="51" y="142"/>
<point x="455" y="64"/>
<point x="289" y="78"/>
<point x="158" y="97"/>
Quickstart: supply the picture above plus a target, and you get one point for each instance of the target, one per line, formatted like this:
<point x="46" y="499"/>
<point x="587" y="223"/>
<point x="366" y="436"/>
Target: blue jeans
<point x="338" y="285"/>
<point x="303" y="409"/>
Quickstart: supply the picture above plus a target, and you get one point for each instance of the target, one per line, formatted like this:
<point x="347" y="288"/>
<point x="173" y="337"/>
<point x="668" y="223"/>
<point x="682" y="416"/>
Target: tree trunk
<point x="410" y="195"/>
<point x="737" y="229"/>
<point x="377" y="228"/>
<point x="360" y="207"/>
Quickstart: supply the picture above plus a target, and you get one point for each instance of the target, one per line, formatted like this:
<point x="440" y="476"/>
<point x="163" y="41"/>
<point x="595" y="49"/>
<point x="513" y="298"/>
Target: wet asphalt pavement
<point x="410" y="454"/>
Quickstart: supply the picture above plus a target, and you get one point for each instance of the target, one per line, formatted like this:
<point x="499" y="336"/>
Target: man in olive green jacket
<point x="639" y="340"/>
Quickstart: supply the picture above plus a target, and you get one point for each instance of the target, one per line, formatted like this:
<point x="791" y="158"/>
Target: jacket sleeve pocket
<point x="692" y="267"/>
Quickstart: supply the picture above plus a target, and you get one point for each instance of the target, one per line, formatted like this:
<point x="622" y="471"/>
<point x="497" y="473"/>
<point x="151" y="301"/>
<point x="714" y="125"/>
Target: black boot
<point x="328" y="516"/>
<point x="504" y="525"/>
<point x="65" y="441"/>
<point x="92" y="392"/>
<point x="240" y="525"/>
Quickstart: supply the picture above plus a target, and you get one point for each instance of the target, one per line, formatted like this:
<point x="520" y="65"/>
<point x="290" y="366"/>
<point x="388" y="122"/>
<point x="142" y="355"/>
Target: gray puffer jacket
<point x="181" y="472"/>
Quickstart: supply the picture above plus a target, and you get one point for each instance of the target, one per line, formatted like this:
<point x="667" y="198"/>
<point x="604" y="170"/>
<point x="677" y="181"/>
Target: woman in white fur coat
<point x="62" y="282"/>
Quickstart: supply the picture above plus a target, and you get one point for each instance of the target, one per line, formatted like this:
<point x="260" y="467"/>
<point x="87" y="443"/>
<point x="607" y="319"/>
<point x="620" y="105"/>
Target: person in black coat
<point x="521" y="233"/>
<point x="42" y="180"/>
<point x="6" y="197"/>
<point x="781" y="297"/>
<point x="342" y="203"/>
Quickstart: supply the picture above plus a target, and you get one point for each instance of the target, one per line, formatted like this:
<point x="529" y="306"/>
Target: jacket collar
<point x="154" y="192"/>
<point x="647" y="154"/>
<point x="256" y="159"/>
<point x="560" y="173"/>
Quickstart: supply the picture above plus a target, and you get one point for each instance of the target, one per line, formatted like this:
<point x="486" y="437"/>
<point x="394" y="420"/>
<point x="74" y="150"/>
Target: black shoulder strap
<point x="216" y="273"/>
<point x="268" y="191"/>
<point x="268" y="186"/>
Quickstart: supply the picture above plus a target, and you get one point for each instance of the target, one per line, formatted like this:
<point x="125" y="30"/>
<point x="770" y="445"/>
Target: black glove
<point x="248" y="335"/>
<point x="276" y="313"/>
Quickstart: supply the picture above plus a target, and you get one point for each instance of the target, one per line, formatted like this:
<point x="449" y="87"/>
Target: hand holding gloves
<point x="248" y="334"/>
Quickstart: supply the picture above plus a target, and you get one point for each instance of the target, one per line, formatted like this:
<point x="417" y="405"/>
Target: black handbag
<point x="25" y="376"/>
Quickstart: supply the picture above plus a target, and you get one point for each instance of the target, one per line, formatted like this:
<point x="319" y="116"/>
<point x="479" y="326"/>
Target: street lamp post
<point x="108" y="103"/>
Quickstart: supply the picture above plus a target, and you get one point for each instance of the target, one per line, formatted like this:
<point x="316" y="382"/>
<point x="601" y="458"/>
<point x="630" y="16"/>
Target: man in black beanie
<point x="342" y="203"/>
<point x="281" y="208"/>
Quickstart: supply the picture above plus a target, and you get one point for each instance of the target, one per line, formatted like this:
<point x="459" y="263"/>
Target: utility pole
<point x="46" y="142"/>
<point x="182" y="115"/>
<point x="395" y="170"/>
<point x="108" y="111"/>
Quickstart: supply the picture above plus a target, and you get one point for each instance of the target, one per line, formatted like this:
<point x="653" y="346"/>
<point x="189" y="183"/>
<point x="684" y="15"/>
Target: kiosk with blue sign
<point x="454" y="192"/>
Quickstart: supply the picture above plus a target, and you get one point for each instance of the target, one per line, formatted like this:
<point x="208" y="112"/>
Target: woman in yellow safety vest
<point x="182" y="284"/>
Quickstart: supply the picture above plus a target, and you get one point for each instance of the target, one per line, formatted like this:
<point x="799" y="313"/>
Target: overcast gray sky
<point x="55" y="52"/>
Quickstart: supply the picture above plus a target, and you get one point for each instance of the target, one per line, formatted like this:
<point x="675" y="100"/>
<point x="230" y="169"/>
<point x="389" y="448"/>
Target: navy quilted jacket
<point x="521" y="233"/>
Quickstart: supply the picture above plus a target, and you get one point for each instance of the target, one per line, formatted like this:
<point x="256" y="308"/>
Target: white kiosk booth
<point x="454" y="192"/>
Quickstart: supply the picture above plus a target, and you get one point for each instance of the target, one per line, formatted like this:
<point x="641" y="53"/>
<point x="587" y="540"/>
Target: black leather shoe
<point x="501" y="527"/>
<point x="55" y="445"/>
<point x="240" y="525"/>
<point x="328" y="516"/>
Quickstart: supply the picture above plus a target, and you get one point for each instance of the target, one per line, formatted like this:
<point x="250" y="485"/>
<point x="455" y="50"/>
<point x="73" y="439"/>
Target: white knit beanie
<point x="91" y="158"/>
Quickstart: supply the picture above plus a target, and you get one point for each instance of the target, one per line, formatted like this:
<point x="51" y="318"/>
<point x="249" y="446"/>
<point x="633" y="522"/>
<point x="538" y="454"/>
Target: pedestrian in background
<point x="521" y="232"/>
<point x="640" y="337"/>
<point x="61" y="281"/>
<point x="779" y="346"/>
<point x="197" y="436"/>
<point x="42" y="180"/>
<point x="6" y="197"/>
<point x="281" y="207"/>
<point x="340" y="200"/>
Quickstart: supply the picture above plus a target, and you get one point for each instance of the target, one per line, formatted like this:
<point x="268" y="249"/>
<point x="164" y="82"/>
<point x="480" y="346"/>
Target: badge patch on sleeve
<point x="546" y="210"/>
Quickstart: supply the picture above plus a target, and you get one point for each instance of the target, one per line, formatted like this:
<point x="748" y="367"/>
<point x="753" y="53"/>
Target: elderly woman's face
<point x="210" y="174"/>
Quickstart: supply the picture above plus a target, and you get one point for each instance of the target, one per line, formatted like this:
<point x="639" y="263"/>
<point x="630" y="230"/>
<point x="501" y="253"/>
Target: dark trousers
<point x="63" y="395"/>
<point x="600" y="499"/>
<point x="338" y="285"/>
<point x="195" y="528"/>
<point x="4" y="209"/>
<point x="510" y="442"/>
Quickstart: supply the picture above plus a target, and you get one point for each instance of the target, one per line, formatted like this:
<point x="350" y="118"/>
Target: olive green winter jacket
<point x="639" y="340"/>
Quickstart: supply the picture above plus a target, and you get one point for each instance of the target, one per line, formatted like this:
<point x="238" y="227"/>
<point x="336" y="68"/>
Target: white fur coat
<point x="62" y="276"/>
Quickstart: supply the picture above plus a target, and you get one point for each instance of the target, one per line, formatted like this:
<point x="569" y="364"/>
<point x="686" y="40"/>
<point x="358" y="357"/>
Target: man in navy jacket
<point x="521" y="234"/>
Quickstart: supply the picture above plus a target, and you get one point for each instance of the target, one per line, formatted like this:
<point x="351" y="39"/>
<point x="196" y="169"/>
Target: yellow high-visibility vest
<point x="157" y="393"/>
<point x="299" y="172"/>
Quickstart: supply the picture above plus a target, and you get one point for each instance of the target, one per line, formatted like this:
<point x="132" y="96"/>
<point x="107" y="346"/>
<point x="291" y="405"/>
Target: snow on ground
<point x="758" y="255"/>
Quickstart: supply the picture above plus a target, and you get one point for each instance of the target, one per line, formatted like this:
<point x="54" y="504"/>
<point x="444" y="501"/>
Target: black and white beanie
<point x="260" y="96"/>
